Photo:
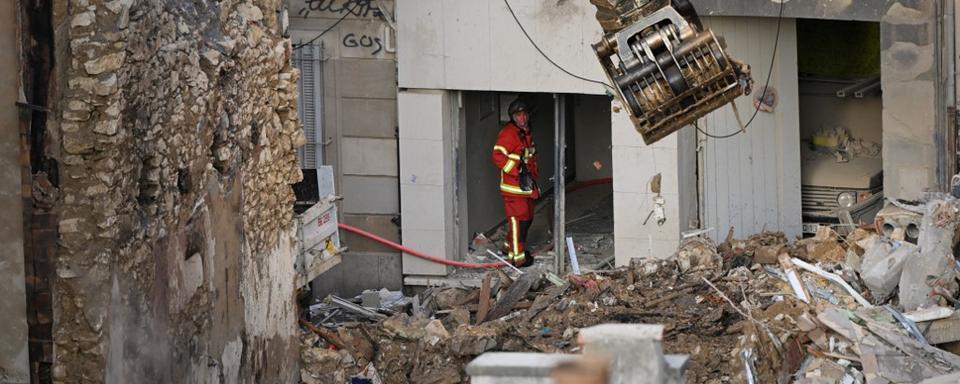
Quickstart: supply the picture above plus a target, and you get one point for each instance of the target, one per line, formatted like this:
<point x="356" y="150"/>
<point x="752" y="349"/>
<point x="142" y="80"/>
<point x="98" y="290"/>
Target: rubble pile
<point x="759" y="310"/>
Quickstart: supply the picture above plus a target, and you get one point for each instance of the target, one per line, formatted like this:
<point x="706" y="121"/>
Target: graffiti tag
<point x="352" y="40"/>
<point x="359" y="8"/>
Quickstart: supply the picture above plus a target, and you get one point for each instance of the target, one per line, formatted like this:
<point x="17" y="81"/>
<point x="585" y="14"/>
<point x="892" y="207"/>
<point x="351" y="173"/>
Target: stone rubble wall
<point x="176" y="132"/>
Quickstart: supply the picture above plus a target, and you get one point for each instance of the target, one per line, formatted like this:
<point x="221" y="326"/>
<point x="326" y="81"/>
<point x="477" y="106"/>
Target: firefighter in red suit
<point x="515" y="156"/>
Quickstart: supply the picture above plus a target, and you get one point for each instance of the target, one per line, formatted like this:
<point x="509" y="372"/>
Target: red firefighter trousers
<point x="519" y="210"/>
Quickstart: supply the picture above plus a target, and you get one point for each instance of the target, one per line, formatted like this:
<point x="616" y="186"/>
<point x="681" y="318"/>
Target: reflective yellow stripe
<point x="514" y="190"/>
<point x="516" y="237"/>
<point x="502" y="150"/>
<point x="514" y="156"/>
<point x="509" y="167"/>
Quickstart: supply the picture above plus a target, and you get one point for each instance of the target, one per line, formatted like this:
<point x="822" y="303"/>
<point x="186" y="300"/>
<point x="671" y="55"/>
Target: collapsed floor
<point x="757" y="310"/>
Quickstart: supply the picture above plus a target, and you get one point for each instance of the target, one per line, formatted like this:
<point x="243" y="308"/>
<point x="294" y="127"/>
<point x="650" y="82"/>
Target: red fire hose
<point x="414" y="252"/>
<point x="417" y="253"/>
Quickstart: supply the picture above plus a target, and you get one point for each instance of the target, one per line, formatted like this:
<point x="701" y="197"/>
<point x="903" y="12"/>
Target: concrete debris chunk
<point x="930" y="314"/>
<point x="403" y="326"/>
<point x="883" y="264"/>
<point x="767" y="254"/>
<point x="436" y="331"/>
<point x="748" y="315"/>
<point x="475" y="340"/>
<point x="698" y="252"/>
<point x="934" y="266"/>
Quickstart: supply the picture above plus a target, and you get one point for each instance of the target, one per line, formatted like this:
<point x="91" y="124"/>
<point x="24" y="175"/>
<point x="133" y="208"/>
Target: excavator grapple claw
<point x="667" y="69"/>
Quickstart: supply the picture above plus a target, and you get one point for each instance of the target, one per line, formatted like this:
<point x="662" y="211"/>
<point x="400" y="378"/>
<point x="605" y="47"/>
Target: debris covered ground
<point x="760" y="310"/>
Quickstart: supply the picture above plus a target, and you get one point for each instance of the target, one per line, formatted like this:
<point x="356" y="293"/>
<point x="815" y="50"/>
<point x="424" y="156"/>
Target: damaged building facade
<point x="421" y="145"/>
<point x="157" y="144"/>
<point x="747" y="182"/>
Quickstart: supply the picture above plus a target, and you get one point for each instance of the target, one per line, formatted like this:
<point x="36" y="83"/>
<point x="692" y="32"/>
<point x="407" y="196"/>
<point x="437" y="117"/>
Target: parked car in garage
<point x="829" y="187"/>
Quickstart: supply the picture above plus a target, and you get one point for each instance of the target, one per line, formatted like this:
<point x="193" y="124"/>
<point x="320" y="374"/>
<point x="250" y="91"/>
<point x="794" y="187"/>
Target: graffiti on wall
<point x="373" y="43"/>
<point x="358" y="8"/>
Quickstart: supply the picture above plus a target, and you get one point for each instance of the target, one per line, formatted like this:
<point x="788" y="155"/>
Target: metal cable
<point x="564" y="70"/>
<point x="348" y="13"/>
<point x="773" y="58"/>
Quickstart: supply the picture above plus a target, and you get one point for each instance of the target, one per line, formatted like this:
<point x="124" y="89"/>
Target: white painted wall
<point x="751" y="181"/>
<point x="428" y="130"/>
<point x="634" y="166"/>
<point x="476" y="45"/>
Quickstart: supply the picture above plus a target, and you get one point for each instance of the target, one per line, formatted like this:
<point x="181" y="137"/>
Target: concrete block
<point x="369" y="117"/>
<point x="505" y="365"/>
<point x="635" y="349"/>
<point x="882" y="265"/>
<point x="420" y="114"/>
<point x="677" y="368"/>
<point x="935" y="259"/>
<point x="423" y="207"/>
<point x="370" y="194"/>
<point x="360" y="78"/>
<point x="422" y="162"/>
<point x="369" y="157"/>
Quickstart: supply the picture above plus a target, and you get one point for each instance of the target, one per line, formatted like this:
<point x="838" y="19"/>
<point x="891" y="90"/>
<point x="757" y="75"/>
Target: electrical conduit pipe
<point x="414" y="252"/>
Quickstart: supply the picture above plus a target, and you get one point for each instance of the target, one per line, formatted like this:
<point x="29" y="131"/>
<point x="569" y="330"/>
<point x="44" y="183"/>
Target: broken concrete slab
<point x="930" y="314"/>
<point x="406" y="327"/>
<point x="504" y="367"/>
<point x="470" y="340"/>
<point x="935" y="259"/>
<point x="946" y="379"/>
<point x="767" y="254"/>
<point x="698" y="252"/>
<point x="882" y="266"/>
<point x="635" y="350"/>
<point x="436" y="331"/>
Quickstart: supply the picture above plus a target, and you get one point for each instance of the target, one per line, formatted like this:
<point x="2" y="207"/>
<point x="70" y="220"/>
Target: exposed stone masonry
<point x="177" y="136"/>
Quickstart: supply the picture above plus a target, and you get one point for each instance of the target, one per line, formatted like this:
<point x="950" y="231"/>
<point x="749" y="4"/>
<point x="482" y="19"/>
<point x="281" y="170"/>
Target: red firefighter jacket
<point x="508" y="152"/>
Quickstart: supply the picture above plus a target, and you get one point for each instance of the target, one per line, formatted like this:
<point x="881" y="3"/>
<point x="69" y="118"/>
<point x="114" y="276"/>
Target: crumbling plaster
<point x="176" y="131"/>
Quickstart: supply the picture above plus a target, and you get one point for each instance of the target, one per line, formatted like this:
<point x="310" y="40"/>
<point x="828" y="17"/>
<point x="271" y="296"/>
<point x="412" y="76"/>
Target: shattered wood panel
<point x="749" y="180"/>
